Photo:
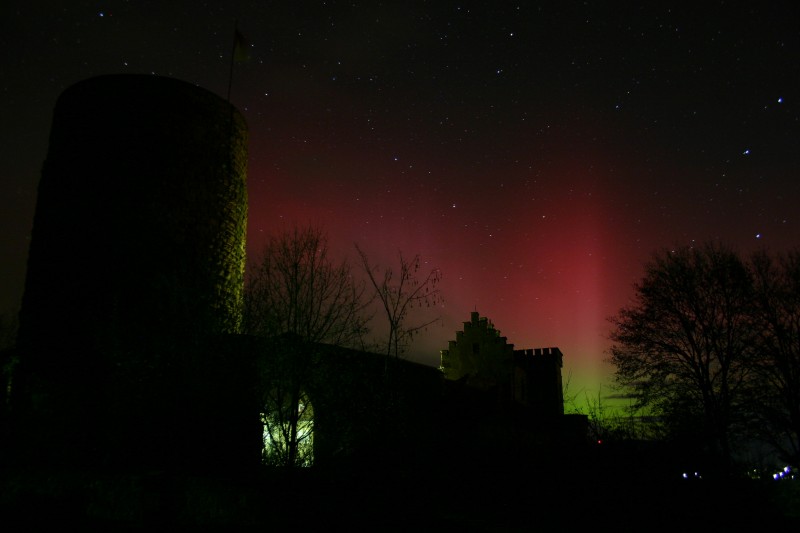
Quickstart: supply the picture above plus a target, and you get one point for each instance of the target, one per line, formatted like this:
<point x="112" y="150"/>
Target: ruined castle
<point x="129" y="348"/>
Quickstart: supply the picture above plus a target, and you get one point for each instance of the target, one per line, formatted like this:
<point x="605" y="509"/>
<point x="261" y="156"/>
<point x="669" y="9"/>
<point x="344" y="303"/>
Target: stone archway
<point x="287" y="423"/>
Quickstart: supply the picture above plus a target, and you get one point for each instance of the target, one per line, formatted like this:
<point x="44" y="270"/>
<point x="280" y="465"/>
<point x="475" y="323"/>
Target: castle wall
<point x="366" y="407"/>
<point x="538" y="380"/>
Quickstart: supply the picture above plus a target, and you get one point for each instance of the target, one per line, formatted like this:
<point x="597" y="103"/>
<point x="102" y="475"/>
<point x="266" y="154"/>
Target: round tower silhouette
<point x="136" y="257"/>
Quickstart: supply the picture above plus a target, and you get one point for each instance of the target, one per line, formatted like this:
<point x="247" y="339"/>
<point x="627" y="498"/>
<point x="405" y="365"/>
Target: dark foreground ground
<point x="478" y="496"/>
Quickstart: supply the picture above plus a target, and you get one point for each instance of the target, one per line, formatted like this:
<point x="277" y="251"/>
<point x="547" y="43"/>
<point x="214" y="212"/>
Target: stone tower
<point x="136" y="261"/>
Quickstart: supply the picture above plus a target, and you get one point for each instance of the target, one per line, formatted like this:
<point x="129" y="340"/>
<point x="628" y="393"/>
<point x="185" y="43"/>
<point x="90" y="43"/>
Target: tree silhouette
<point x="685" y="346"/>
<point x="399" y="293"/>
<point x="296" y="289"/>
<point x="777" y="308"/>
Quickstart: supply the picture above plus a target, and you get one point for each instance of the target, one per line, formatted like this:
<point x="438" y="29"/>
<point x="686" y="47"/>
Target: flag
<point x="241" y="48"/>
<point x="239" y="54"/>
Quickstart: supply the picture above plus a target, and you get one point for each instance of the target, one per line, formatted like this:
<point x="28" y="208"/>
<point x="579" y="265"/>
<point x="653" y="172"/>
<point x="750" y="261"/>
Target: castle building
<point x="480" y="358"/>
<point x="130" y="361"/>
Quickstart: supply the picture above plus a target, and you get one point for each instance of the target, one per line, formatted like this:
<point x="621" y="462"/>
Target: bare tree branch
<point x="398" y="296"/>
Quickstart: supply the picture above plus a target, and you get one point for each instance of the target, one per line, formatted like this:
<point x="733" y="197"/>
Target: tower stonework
<point x="137" y="258"/>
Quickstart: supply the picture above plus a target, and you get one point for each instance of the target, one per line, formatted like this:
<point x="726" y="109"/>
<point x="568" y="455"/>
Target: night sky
<point x="536" y="152"/>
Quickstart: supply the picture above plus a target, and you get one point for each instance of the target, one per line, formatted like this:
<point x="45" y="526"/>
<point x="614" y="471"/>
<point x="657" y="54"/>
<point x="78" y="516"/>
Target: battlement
<point x="541" y="352"/>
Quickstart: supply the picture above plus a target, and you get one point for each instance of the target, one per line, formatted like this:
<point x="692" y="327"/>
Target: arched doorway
<point x="288" y="428"/>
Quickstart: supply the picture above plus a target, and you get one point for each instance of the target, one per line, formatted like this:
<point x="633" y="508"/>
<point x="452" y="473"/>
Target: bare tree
<point x="295" y="288"/>
<point x="777" y="396"/>
<point x="684" y="346"/>
<point x="399" y="293"/>
<point x="296" y="295"/>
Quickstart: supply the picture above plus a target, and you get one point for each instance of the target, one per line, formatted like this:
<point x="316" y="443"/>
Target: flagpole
<point x="233" y="56"/>
<point x="230" y="84"/>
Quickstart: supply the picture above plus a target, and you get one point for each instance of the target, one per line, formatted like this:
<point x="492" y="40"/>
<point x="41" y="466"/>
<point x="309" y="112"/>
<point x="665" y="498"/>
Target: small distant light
<point x="780" y="100"/>
<point x="599" y="441"/>
<point x="685" y="475"/>
<point x="746" y="152"/>
<point x="102" y="14"/>
<point x="758" y="235"/>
